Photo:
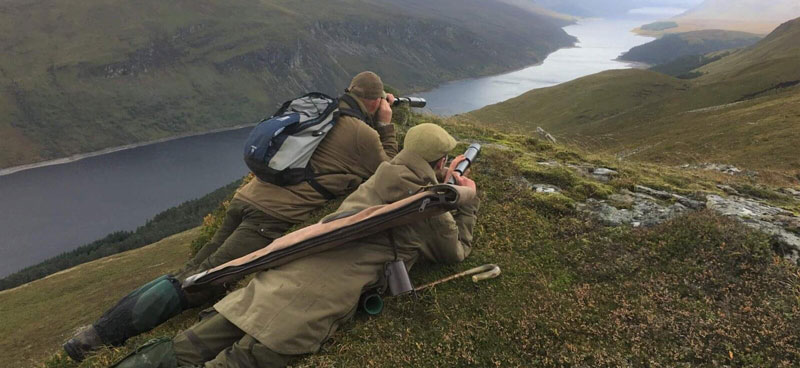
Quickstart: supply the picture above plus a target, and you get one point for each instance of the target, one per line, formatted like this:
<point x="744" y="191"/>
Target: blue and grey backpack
<point x="280" y="147"/>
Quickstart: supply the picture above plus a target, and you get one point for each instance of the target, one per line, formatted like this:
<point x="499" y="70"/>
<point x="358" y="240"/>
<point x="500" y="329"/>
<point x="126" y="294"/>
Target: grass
<point x="36" y="318"/>
<point x="700" y="290"/>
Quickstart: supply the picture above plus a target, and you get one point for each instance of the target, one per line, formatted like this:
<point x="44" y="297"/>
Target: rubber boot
<point x="84" y="341"/>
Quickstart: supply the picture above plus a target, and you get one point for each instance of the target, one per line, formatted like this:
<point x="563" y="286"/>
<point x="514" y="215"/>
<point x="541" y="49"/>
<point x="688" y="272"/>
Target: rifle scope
<point x="410" y="101"/>
<point x="470" y="154"/>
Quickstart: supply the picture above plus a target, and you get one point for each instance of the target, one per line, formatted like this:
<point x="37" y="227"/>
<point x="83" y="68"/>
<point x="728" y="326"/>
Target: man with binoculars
<point x="261" y="212"/>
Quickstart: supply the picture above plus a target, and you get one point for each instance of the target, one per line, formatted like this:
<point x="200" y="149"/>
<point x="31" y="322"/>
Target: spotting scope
<point x="410" y="101"/>
<point x="470" y="154"/>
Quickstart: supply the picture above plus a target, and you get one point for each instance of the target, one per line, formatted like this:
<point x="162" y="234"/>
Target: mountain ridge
<point x="674" y="45"/>
<point x="126" y="72"/>
<point x="751" y="16"/>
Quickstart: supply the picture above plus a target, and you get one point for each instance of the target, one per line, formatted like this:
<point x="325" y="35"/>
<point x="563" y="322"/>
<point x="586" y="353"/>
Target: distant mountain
<point x="583" y="8"/>
<point x="742" y="109"/>
<point x="754" y="16"/>
<point x="83" y="76"/>
<point x="673" y="46"/>
<point x="735" y="10"/>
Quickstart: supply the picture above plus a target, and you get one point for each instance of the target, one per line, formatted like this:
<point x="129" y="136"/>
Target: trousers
<point x="215" y="342"/>
<point x="243" y="230"/>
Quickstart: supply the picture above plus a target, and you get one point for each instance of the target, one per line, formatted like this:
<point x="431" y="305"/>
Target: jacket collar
<point x="414" y="162"/>
<point x="361" y="107"/>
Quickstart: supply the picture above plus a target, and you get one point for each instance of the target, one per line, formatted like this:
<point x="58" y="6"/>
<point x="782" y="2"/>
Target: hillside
<point x="673" y="46"/>
<point x="596" y="272"/>
<point x="742" y="109"/>
<point x="751" y="16"/>
<point x="608" y="8"/>
<point x="83" y="77"/>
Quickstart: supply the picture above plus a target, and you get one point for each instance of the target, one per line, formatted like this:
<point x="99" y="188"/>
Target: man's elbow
<point x="457" y="256"/>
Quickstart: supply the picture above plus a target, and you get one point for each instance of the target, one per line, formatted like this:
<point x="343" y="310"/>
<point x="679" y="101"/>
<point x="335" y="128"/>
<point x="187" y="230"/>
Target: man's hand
<point x="461" y="180"/>
<point x="384" y="113"/>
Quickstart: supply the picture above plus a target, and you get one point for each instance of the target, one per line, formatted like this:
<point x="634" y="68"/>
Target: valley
<point x="641" y="217"/>
<point x="742" y="109"/>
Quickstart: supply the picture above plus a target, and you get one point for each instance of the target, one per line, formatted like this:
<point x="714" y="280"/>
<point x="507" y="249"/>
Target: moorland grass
<point x="699" y="290"/>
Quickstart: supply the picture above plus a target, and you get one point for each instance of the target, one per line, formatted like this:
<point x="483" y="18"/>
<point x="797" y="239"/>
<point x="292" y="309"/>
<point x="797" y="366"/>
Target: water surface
<point x="52" y="209"/>
<point x="600" y="42"/>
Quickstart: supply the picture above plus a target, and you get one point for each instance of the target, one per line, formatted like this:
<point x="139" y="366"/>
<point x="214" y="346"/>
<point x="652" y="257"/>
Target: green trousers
<point x="217" y="343"/>
<point x="213" y="342"/>
<point x="245" y="229"/>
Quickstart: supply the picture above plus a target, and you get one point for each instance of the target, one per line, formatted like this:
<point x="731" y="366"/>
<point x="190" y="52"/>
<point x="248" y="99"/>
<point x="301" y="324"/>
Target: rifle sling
<point x="323" y="236"/>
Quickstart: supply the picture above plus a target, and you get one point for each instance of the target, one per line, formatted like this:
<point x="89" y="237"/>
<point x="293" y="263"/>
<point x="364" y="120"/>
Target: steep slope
<point x="672" y="46"/>
<point x="81" y="77"/>
<point x="687" y="288"/>
<point x="742" y="110"/>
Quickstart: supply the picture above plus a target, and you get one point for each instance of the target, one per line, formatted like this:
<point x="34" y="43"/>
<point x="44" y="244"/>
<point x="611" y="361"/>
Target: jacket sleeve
<point x="375" y="146"/>
<point x="388" y="139"/>
<point x="452" y="234"/>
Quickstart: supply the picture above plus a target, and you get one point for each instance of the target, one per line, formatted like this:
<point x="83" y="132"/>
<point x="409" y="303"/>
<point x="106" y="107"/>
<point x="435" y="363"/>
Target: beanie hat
<point x="367" y="85"/>
<point x="430" y="141"/>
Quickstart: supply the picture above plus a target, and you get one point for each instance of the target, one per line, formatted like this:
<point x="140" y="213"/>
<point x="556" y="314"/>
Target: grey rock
<point x="728" y="189"/>
<point x="549" y="163"/>
<point x="522" y="182"/>
<point x="605" y="213"/>
<point x="791" y="192"/>
<point x="603" y="171"/>
<point x="546" y="188"/>
<point x="542" y="133"/>
<point x="773" y="221"/>
<point x="602" y="174"/>
<point x="727" y="169"/>
<point x="653" y="192"/>
<point x="693" y="204"/>
<point x="643" y="212"/>
<point x="623" y="199"/>
<point x="744" y="207"/>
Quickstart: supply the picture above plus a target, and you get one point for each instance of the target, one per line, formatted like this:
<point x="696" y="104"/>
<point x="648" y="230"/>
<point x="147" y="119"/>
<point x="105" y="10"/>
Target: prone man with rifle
<point x="314" y="149"/>
<point x="310" y="280"/>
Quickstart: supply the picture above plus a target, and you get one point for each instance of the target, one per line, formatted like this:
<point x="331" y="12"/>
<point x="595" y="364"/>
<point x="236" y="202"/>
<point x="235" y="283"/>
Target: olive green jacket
<point x="294" y="308"/>
<point x="348" y="156"/>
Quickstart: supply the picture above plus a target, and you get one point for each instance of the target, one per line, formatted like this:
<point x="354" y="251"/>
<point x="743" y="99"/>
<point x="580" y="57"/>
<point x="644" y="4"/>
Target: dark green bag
<point x="156" y="353"/>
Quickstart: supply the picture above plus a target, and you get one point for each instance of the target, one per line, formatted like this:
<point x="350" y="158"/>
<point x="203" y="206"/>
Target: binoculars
<point x="411" y="101"/>
<point x="472" y="152"/>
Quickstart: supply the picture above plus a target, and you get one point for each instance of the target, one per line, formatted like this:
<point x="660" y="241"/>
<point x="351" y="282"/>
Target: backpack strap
<point x="311" y="178"/>
<point x="354" y="110"/>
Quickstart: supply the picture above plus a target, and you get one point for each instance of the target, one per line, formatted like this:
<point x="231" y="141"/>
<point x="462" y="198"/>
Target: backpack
<point x="280" y="147"/>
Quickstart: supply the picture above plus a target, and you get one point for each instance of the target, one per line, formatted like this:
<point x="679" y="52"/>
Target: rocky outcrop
<point x="635" y="210"/>
<point x="780" y="224"/>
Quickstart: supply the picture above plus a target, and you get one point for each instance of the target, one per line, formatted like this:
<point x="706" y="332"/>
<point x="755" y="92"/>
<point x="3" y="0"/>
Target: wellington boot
<point x="84" y="341"/>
